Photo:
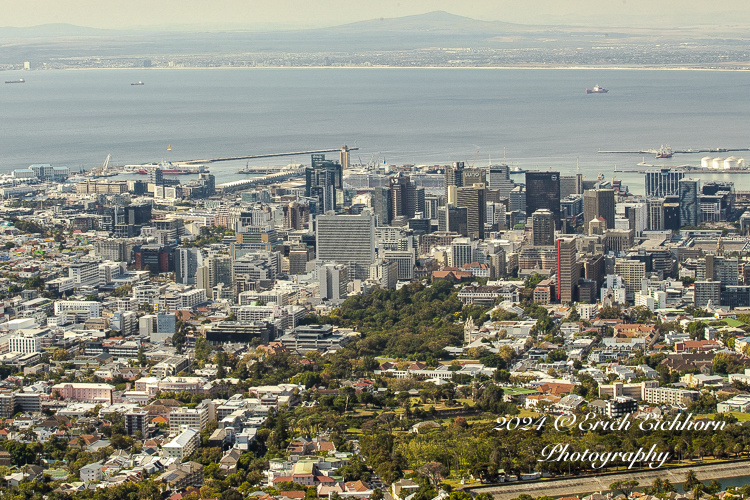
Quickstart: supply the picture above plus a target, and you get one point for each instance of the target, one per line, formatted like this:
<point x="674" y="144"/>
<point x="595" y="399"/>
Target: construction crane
<point x="475" y="159"/>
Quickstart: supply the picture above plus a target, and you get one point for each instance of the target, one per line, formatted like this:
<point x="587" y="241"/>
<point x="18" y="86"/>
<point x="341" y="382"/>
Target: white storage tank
<point x="706" y="162"/>
<point x="731" y="163"/>
<point x="718" y="163"/>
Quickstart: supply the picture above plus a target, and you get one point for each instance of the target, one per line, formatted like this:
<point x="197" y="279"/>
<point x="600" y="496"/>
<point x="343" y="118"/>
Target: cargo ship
<point x="597" y="90"/>
<point x="171" y="171"/>
<point x="664" y="152"/>
<point x="20" y="80"/>
<point x="138" y="83"/>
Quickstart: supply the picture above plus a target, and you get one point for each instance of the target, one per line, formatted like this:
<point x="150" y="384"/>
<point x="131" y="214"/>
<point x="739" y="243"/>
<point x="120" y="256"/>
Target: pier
<point x="676" y="151"/>
<point x="253" y="157"/>
<point x="266" y="179"/>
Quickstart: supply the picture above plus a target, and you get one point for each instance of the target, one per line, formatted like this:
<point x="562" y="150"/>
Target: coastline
<point x="519" y="67"/>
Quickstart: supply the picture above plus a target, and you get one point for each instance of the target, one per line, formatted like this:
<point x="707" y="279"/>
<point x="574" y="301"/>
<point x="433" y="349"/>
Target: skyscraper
<point x="347" y="239"/>
<point x="453" y="219"/>
<point x="381" y="205"/>
<point x="543" y="191"/>
<point x="571" y="184"/>
<point x="187" y="261"/>
<point x="499" y="178"/>
<point x="322" y="180"/>
<point x="568" y="271"/>
<point x="688" y="202"/>
<point x="543" y="228"/>
<point x="664" y="182"/>
<point x="472" y="198"/>
<point x="344" y="157"/>
<point x="599" y="203"/>
<point x="454" y="176"/>
<point x="518" y="199"/>
<point x="403" y="197"/>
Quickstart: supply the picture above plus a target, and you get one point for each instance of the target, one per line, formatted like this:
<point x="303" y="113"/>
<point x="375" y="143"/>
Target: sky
<point x="291" y="14"/>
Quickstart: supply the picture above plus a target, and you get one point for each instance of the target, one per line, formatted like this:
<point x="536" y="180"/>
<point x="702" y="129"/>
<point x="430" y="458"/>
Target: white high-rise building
<point x="348" y="240"/>
<point x="25" y="344"/>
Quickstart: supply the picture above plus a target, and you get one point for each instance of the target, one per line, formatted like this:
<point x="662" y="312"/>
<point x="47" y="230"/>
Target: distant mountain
<point x="52" y="30"/>
<point x="437" y="21"/>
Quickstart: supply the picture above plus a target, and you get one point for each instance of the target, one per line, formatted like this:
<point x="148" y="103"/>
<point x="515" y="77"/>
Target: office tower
<point x="671" y="211"/>
<point x="462" y="251"/>
<point x="347" y="239"/>
<point x="543" y="191"/>
<point x="431" y="204"/>
<point x="632" y="273"/>
<point x="718" y="268"/>
<point x="518" y="199"/>
<point x="334" y="280"/>
<point x="454" y="176"/>
<point x="344" y="157"/>
<point x="209" y="183"/>
<point x="706" y="292"/>
<point x="568" y="271"/>
<point x="219" y="269"/>
<point x="655" y="214"/>
<point x="499" y="178"/>
<point x="571" y="185"/>
<point x="381" y="205"/>
<point x="688" y="202"/>
<point x="474" y="176"/>
<point x="187" y="261"/>
<point x="323" y="180"/>
<point x="201" y="279"/>
<point x="453" y="219"/>
<point x="637" y="215"/>
<point x="472" y="198"/>
<point x="543" y="228"/>
<point x="403" y="197"/>
<point x="419" y="201"/>
<point x="599" y="203"/>
<point x="664" y="182"/>
<point x="295" y="215"/>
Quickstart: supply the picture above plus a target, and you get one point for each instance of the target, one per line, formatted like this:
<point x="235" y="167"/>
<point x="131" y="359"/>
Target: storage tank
<point x="706" y="162"/>
<point x="731" y="163"/>
<point x="718" y="163"/>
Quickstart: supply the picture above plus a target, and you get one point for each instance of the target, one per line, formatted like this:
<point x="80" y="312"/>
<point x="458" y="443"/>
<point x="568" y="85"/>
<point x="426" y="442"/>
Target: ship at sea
<point x="20" y="80"/>
<point x="597" y="90"/>
<point x="138" y="83"/>
<point x="665" y="152"/>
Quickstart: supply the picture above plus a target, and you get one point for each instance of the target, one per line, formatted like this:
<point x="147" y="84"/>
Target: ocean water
<point x="541" y="119"/>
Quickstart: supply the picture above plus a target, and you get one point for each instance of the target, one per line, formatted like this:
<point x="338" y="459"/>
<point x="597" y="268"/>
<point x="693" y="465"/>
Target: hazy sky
<point x="255" y="14"/>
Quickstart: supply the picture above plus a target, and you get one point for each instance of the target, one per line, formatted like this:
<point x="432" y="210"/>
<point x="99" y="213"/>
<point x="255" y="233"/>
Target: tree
<point x="231" y="494"/>
<point x="433" y="471"/>
<point x="691" y="480"/>
<point x="624" y="487"/>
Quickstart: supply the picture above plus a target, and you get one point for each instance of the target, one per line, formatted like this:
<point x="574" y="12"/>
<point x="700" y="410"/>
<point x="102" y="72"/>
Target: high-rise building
<point x="688" y="202"/>
<point x="322" y="181"/>
<point x="347" y="239"/>
<point x="403" y="197"/>
<point x="655" y="214"/>
<point x="568" y="271"/>
<point x="334" y="280"/>
<point x="707" y="291"/>
<point x="499" y="178"/>
<point x="543" y="228"/>
<point x="664" y="182"/>
<point x="544" y="190"/>
<point x="462" y="251"/>
<point x="632" y="273"/>
<point x="472" y="198"/>
<point x="518" y="199"/>
<point x="599" y="203"/>
<point x="219" y="268"/>
<point x="453" y="219"/>
<point x="571" y="185"/>
<point x="671" y="211"/>
<point x="381" y="205"/>
<point x="187" y="261"/>
<point x="454" y="176"/>
<point x="344" y="157"/>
